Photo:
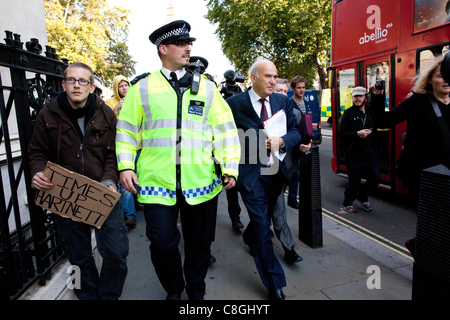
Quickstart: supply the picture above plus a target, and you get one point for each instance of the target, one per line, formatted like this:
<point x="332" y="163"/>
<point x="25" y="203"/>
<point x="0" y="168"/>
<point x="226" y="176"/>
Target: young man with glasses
<point x="77" y="131"/>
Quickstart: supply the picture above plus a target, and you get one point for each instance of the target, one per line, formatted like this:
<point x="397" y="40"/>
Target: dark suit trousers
<point x="198" y="225"/>
<point x="260" y="202"/>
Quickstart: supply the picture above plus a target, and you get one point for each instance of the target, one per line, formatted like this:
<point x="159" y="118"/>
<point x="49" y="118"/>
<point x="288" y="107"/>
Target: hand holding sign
<point x="75" y="196"/>
<point x="41" y="182"/>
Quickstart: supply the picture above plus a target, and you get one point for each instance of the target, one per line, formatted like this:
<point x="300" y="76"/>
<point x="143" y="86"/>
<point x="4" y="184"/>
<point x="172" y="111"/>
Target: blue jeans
<point x="127" y="203"/>
<point x="127" y="198"/>
<point x="112" y="244"/>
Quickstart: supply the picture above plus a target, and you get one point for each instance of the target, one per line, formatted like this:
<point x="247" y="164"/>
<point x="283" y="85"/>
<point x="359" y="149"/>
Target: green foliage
<point x="89" y="31"/>
<point x="294" y="34"/>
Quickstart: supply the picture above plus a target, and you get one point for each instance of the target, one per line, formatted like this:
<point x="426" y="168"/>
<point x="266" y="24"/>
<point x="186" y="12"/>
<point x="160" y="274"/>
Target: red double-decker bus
<point x="387" y="40"/>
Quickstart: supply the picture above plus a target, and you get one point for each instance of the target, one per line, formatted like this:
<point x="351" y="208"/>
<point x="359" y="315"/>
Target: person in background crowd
<point x="355" y="132"/>
<point x="120" y="89"/>
<point x="298" y="86"/>
<point x="279" y="219"/>
<point x="282" y="86"/>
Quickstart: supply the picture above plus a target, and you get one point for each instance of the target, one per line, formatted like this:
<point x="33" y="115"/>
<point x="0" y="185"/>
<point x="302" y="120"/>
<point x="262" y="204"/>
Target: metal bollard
<point x="310" y="210"/>
<point x="431" y="270"/>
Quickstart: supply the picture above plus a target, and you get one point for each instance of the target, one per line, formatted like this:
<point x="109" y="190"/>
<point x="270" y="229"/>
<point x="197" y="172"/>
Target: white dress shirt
<point x="257" y="106"/>
<point x="254" y="98"/>
<point x="166" y="72"/>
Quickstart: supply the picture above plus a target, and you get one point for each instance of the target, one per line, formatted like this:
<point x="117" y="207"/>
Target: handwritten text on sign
<point x="76" y="197"/>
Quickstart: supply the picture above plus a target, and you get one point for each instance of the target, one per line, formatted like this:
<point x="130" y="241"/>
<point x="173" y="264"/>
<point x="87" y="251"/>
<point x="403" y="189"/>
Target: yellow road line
<point x="367" y="233"/>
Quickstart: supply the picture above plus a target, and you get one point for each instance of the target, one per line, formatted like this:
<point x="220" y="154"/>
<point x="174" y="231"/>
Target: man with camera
<point x="355" y="132"/>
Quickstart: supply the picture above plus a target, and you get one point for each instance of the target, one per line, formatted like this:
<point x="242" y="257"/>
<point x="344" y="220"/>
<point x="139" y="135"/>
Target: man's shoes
<point x="276" y="294"/>
<point x="366" y="205"/>
<point x="290" y="256"/>
<point x="212" y="260"/>
<point x="173" y="296"/>
<point x="349" y="209"/>
<point x="130" y="223"/>
<point x="237" y="224"/>
<point x="293" y="204"/>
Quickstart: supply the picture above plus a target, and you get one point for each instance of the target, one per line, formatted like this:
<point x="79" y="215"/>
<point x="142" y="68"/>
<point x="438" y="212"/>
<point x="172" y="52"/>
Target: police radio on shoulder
<point x="195" y="82"/>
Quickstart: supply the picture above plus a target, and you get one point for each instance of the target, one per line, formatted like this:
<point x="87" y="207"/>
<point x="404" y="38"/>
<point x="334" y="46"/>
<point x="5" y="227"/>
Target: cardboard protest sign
<point x="76" y="197"/>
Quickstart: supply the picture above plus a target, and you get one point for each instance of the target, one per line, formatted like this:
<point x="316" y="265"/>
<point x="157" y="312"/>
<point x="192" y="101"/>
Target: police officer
<point x="185" y="124"/>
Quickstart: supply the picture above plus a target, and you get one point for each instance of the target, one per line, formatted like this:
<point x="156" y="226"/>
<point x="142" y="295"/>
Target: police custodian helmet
<point x="174" y="31"/>
<point x="198" y="62"/>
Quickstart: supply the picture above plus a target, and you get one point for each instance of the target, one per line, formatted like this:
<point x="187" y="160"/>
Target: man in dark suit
<point x="261" y="171"/>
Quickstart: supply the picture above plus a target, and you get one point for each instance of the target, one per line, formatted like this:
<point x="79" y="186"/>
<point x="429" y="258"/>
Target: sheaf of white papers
<point x="276" y="126"/>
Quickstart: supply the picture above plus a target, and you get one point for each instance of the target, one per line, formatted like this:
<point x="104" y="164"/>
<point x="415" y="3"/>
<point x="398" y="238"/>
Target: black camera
<point x="380" y="85"/>
<point x="229" y="86"/>
<point x="239" y="76"/>
<point x="445" y="67"/>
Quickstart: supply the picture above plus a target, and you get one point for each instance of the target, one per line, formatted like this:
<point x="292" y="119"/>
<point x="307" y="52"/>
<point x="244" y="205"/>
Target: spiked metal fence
<point x="29" y="244"/>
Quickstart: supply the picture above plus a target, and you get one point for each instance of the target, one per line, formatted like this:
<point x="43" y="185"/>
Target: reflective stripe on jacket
<point x="206" y="130"/>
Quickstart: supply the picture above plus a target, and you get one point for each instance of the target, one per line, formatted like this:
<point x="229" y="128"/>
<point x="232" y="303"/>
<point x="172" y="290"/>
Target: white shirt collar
<point x="180" y="73"/>
<point x="255" y="97"/>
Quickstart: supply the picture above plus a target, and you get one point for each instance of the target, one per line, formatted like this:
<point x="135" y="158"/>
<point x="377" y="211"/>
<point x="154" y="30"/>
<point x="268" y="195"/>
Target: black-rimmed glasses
<point x="82" y="82"/>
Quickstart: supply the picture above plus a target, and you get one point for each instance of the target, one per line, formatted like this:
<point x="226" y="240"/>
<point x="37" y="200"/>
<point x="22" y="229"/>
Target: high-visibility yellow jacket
<point x="179" y="138"/>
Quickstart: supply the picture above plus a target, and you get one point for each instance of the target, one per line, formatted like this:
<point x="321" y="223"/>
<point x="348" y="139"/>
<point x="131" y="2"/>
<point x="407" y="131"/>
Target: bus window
<point x="429" y="54"/>
<point x="346" y="83"/>
<point x="380" y="71"/>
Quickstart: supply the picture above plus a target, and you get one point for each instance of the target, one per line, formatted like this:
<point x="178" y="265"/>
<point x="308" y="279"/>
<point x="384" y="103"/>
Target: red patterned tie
<point x="263" y="114"/>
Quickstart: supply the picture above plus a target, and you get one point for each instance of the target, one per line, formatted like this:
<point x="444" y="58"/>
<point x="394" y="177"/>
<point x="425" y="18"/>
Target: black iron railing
<point x="29" y="245"/>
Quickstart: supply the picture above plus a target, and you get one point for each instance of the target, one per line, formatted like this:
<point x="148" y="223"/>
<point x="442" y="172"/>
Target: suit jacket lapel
<point x="274" y="105"/>
<point x="247" y="106"/>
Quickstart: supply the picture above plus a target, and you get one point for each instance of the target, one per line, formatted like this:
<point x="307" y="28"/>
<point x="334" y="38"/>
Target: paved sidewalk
<point x="336" y="271"/>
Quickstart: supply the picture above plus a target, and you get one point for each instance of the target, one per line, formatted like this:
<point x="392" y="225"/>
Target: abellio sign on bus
<point x="373" y="23"/>
<point x="369" y="27"/>
<point x="365" y="27"/>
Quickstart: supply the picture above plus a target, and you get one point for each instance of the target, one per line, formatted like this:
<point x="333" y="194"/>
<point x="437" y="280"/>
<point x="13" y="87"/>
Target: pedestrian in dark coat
<point x="424" y="145"/>
<point x="77" y="131"/>
<point x="355" y="132"/>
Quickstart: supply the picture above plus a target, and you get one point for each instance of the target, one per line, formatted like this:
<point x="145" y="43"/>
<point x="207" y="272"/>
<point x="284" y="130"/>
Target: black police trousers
<point x="198" y="225"/>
